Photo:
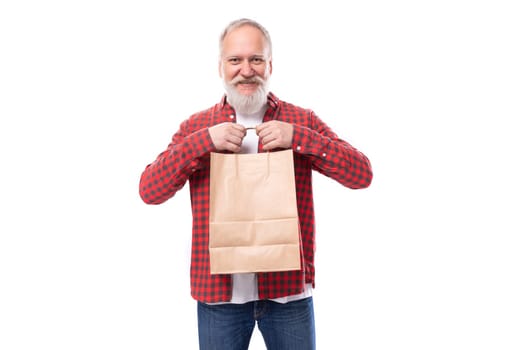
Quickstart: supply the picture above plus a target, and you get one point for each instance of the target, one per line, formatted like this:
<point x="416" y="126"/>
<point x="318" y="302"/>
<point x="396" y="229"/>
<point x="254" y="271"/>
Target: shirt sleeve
<point x="331" y="155"/>
<point x="171" y="169"/>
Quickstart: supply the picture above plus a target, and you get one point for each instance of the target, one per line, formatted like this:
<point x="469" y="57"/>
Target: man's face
<point x="245" y="63"/>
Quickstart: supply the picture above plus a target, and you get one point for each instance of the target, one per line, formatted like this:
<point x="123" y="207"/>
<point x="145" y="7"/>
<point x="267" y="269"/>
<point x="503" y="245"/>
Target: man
<point x="280" y="302"/>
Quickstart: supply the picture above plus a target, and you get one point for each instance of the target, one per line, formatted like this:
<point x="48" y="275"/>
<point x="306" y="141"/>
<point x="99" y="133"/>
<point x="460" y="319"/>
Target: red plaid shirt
<point x="315" y="146"/>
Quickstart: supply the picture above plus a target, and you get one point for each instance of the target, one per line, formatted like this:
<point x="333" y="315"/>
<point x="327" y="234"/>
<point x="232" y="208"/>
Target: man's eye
<point x="234" y="60"/>
<point x="257" y="60"/>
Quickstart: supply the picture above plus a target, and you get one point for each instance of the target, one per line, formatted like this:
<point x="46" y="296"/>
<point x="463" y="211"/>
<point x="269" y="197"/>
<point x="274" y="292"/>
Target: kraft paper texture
<point x="254" y="226"/>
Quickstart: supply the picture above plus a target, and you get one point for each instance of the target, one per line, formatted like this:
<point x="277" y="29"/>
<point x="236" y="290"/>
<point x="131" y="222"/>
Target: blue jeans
<point x="288" y="326"/>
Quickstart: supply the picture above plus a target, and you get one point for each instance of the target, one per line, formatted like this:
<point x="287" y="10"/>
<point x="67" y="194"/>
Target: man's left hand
<point x="275" y="134"/>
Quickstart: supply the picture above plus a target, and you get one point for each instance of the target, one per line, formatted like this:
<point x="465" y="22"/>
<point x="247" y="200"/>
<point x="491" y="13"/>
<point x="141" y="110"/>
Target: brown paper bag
<point x="254" y="226"/>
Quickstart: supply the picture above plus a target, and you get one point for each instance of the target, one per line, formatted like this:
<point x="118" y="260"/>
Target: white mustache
<point x="241" y="80"/>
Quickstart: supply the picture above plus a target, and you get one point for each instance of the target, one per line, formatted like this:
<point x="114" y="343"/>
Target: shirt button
<point x="298" y="148"/>
<point x="232" y="116"/>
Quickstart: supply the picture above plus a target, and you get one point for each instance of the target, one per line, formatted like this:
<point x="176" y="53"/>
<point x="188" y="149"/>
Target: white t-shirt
<point x="245" y="284"/>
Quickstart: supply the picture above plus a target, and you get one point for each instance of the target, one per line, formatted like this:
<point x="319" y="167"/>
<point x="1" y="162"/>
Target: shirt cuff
<point x="306" y="141"/>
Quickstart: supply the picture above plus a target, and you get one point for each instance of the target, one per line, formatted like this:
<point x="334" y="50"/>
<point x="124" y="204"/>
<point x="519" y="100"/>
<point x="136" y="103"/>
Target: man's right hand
<point x="227" y="136"/>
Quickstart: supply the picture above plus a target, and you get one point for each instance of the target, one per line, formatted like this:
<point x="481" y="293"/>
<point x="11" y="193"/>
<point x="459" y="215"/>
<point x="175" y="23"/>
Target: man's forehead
<point x="245" y="35"/>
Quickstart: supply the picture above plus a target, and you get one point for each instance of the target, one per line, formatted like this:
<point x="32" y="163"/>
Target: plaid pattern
<point x="315" y="146"/>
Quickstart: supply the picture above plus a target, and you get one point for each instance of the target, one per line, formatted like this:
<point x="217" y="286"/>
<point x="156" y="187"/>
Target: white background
<point x="431" y="256"/>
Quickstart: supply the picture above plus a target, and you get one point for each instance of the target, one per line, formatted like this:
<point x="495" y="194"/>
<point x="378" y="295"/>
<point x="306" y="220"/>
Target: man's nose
<point x="246" y="69"/>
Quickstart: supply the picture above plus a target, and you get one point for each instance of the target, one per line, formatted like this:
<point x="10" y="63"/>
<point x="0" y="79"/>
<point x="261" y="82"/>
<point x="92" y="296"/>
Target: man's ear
<point x="220" y="69"/>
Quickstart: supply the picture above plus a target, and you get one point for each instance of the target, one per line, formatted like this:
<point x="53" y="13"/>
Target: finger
<point x="235" y="145"/>
<point x="238" y="130"/>
<point x="238" y="127"/>
<point x="270" y="145"/>
<point x="268" y="139"/>
<point x="234" y="139"/>
<point x="233" y="148"/>
<point x="262" y="127"/>
<point x="264" y="132"/>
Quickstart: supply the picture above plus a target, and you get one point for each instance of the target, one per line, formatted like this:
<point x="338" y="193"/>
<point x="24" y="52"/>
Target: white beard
<point x="247" y="104"/>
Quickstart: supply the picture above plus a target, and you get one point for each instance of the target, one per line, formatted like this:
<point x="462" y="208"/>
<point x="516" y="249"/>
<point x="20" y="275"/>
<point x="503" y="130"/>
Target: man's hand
<point x="275" y="134"/>
<point x="227" y="136"/>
